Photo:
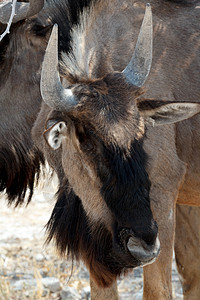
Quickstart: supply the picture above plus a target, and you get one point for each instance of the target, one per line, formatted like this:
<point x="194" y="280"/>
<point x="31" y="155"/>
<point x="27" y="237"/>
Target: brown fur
<point x="187" y="249"/>
<point x="174" y="76"/>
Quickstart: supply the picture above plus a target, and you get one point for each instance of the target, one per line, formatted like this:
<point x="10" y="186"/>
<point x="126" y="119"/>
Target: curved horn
<point x="53" y="93"/>
<point x="139" y="66"/>
<point x="22" y="10"/>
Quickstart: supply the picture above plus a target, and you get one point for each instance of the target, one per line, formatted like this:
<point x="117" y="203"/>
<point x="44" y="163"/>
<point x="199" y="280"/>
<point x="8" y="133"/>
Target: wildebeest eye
<point x="84" y="139"/>
<point x="81" y="137"/>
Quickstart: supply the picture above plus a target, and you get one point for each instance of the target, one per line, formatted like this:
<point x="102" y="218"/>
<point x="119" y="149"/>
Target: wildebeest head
<point x="97" y="127"/>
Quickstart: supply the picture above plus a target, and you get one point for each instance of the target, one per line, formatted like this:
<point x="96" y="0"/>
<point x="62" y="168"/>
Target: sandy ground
<point x="25" y="261"/>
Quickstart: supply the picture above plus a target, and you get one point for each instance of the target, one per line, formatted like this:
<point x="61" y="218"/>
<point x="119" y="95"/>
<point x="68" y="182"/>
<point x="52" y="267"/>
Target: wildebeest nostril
<point x="142" y="251"/>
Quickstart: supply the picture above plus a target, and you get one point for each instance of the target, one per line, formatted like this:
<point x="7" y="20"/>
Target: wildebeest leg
<point x="166" y="173"/>
<point x="187" y="250"/>
<point x="98" y="293"/>
<point x="157" y="277"/>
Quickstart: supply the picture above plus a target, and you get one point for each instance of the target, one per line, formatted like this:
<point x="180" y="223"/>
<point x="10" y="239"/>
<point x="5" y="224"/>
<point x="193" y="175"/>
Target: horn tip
<point x="55" y="27"/>
<point x="54" y="32"/>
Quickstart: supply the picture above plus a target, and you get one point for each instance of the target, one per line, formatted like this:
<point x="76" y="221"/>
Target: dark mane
<point x="69" y="228"/>
<point x="19" y="171"/>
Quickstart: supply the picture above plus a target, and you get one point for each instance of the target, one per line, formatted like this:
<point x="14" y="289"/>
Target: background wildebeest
<point x="170" y="164"/>
<point x="21" y="55"/>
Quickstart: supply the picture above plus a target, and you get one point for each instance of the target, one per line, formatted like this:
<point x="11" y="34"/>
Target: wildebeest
<point x="115" y="146"/>
<point x="158" y="162"/>
<point x="122" y="240"/>
<point x="21" y="54"/>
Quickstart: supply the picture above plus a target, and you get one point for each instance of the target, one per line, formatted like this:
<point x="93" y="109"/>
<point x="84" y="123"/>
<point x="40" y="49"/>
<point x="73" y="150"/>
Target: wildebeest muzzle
<point x="136" y="250"/>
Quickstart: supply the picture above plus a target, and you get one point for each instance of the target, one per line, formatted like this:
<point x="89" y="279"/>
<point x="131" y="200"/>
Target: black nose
<point x="142" y="252"/>
<point x="137" y="251"/>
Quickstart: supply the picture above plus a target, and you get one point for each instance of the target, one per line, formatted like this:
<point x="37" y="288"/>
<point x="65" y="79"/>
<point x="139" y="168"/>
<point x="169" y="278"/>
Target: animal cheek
<point x="81" y="158"/>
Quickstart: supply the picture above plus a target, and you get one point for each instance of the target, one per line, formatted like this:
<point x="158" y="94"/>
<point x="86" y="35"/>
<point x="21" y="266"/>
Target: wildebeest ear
<point x="166" y="112"/>
<point x="54" y="134"/>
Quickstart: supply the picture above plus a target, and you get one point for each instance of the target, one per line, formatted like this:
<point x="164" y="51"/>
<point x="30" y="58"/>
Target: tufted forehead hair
<point x="78" y="63"/>
<point x="91" y="46"/>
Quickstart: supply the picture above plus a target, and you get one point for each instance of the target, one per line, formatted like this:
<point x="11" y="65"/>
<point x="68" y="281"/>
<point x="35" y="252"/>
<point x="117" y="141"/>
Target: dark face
<point x="101" y="146"/>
